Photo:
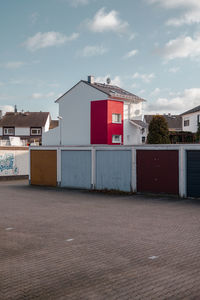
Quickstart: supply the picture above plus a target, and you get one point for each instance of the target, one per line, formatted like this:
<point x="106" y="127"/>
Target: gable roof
<point x="139" y="123"/>
<point x="174" y="121"/>
<point x="114" y="91"/>
<point x="26" y="119"/>
<point x="195" y="109"/>
<point x="109" y="90"/>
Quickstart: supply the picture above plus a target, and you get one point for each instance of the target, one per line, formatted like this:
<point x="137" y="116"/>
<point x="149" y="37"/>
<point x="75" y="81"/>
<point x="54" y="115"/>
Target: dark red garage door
<point x="158" y="171"/>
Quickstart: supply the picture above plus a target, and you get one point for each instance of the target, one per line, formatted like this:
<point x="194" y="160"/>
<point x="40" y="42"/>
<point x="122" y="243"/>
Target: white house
<point x="191" y="119"/>
<point x="29" y="126"/>
<point x="95" y="113"/>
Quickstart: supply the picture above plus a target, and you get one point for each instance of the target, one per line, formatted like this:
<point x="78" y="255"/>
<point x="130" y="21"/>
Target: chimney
<point x="90" y="79"/>
<point x="15" y="110"/>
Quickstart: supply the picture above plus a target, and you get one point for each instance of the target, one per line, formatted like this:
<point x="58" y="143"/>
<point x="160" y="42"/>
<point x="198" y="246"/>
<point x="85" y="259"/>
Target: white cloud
<point x="131" y="53"/>
<point x="174" y="69"/>
<point x="182" y="47"/>
<point x="191" y="7"/>
<point x="34" y="17"/>
<point x="156" y="91"/>
<point x="2" y="83"/>
<point x="48" y="39"/>
<point x="76" y="3"/>
<point x="145" y="77"/>
<point x="6" y="108"/>
<point x="89" y="51"/>
<point x="184" y="101"/>
<point x="114" y="81"/>
<point x="13" y="64"/>
<point x="40" y="95"/>
<point x="110" y="21"/>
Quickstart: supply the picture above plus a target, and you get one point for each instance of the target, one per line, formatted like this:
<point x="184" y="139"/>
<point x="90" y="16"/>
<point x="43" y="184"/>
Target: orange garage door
<point x="44" y="167"/>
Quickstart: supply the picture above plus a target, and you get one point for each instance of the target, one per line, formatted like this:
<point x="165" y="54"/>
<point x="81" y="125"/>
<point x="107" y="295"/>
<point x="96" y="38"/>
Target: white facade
<point x="74" y="108"/>
<point x="133" y="134"/>
<point x="51" y="137"/>
<point x="190" y="121"/>
<point x="22" y="131"/>
<point x="75" y="116"/>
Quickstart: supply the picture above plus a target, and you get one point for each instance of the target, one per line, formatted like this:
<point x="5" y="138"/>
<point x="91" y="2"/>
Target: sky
<point x="148" y="47"/>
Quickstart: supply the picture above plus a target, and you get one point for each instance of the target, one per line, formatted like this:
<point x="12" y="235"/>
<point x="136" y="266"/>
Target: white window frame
<point x="116" y="118"/>
<point x="114" y="139"/>
<point x="186" y="120"/>
<point x="39" y="131"/>
<point x="6" y="131"/>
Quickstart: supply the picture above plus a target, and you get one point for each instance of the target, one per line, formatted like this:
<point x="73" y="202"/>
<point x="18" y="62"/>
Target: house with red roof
<point x="96" y="113"/>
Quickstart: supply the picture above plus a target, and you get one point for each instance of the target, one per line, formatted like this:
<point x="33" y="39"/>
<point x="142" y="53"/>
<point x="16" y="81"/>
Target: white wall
<point x="51" y="137"/>
<point x="14" y="162"/>
<point x="20" y="131"/>
<point x="132" y="134"/>
<point x="46" y="127"/>
<point x="74" y="108"/>
<point x="193" y="122"/>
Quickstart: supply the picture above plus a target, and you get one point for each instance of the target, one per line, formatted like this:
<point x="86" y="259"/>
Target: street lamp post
<point x="60" y="119"/>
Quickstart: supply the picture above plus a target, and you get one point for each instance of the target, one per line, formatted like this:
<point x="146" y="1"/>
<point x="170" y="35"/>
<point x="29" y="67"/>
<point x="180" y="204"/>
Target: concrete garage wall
<point x="113" y="170"/>
<point x="14" y="161"/>
<point x="76" y="169"/>
<point x="148" y="168"/>
<point x="43" y="165"/>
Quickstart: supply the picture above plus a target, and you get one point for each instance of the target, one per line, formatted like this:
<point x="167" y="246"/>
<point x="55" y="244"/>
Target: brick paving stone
<point x="66" y="244"/>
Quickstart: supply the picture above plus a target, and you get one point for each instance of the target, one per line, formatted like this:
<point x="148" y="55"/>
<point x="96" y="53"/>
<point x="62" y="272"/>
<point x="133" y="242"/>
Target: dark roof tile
<point x="26" y="119"/>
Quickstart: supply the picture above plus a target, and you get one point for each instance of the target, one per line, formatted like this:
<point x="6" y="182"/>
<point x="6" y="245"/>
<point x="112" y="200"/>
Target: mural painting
<point x="7" y="164"/>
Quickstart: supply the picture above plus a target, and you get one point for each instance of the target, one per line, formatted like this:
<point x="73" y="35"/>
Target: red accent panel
<point x="98" y="129"/>
<point x="158" y="171"/>
<point x="114" y="129"/>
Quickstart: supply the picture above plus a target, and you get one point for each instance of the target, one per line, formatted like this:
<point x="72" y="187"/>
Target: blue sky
<point x="149" y="47"/>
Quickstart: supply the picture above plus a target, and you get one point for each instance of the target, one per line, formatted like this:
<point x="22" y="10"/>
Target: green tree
<point x="198" y="134"/>
<point x="158" y="131"/>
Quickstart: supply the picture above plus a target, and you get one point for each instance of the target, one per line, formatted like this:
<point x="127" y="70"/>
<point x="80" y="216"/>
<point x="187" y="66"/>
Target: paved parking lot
<point x="62" y="244"/>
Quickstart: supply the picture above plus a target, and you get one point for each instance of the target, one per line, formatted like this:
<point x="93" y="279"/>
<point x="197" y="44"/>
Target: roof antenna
<point x="108" y="80"/>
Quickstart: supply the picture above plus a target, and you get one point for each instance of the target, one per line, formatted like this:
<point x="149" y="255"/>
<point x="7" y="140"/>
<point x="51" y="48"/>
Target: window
<point x="9" y="131"/>
<point x="143" y="139"/>
<point x="116" y="139"/>
<point x="36" y="131"/>
<point x="116" y="118"/>
<point x="198" y="119"/>
<point x="186" y="123"/>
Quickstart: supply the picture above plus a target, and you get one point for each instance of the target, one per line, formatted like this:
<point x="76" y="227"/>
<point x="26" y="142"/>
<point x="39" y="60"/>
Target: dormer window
<point x="116" y="118"/>
<point x="36" y="131"/>
<point x="9" y="131"/>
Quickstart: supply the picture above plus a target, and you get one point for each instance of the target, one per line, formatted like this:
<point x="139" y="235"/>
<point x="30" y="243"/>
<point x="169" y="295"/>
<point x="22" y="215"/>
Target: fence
<point x="14" y="162"/>
<point x="168" y="169"/>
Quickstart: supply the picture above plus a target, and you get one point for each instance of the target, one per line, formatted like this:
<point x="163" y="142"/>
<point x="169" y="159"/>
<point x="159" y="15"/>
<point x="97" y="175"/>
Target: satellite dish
<point x="108" y="80"/>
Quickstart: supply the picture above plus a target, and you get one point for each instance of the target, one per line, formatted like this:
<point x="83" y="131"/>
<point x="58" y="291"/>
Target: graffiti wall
<point x="13" y="162"/>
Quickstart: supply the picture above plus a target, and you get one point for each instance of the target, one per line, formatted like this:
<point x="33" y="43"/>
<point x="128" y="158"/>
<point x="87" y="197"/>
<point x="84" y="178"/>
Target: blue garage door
<point x="113" y="170"/>
<point x="193" y="173"/>
<point x="76" y="169"/>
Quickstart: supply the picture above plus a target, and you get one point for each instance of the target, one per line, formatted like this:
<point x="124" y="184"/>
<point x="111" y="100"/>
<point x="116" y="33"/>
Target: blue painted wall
<point x="76" y="169"/>
<point x="113" y="170"/>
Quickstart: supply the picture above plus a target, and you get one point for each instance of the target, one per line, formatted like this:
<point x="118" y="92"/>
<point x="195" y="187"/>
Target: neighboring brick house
<point x="29" y="126"/>
<point x="191" y="119"/>
<point x="95" y="113"/>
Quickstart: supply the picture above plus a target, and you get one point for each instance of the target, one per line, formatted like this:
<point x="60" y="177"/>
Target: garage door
<point x="158" y="171"/>
<point x="76" y="169"/>
<point x="193" y="173"/>
<point x="113" y="170"/>
<point x="44" y="167"/>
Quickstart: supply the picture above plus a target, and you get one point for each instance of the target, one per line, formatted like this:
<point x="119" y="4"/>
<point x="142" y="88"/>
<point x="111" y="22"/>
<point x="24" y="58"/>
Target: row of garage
<point x="156" y="169"/>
